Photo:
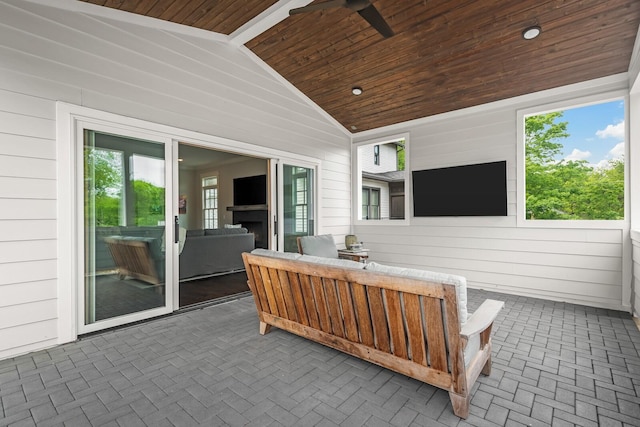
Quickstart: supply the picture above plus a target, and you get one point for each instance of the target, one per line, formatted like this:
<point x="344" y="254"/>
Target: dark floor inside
<point x="115" y="297"/>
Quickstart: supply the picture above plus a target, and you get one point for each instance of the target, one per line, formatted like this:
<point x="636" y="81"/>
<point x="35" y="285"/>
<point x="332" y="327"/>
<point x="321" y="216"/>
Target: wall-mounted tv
<point x="250" y="190"/>
<point x="468" y="190"/>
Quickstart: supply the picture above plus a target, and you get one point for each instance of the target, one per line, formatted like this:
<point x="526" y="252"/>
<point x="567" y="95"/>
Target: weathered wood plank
<point x="321" y="303"/>
<point x="436" y="345"/>
<point x="309" y="301"/>
<point x="298" y="299"/>
<point x="396" y="324"/>
<point x="364" y="315"/>
<point x="287" y="294"/>
<point x="333" y="303"/>
<point x="348" y="313"/>
<point x="268" y="289"/>
<point x="379" y="318"/>
<point x="277" y="292"/>
<point x="415" y="331"/>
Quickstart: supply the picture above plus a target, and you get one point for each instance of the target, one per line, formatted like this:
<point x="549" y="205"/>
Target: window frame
<point x="521" y="217"/>
<point x="204" y="188"/>
<point x="370" y="191"/>
<point x="301" y="209"/>
<point x="357" y="181"/>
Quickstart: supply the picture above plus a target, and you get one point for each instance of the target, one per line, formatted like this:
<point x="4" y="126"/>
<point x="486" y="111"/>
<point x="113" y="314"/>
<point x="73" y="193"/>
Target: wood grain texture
<point x="220" y="16"/>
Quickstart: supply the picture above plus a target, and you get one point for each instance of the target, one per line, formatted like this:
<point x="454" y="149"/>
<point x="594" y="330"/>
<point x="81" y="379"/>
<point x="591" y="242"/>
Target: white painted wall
<point x="579" y="265"/>
<point x="49" y="55"/>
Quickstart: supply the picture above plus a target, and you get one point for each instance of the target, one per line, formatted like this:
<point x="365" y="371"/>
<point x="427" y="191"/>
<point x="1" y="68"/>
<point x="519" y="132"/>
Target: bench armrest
<point x="482" y="318"/>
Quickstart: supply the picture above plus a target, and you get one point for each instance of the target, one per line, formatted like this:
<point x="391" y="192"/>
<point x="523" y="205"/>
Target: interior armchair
<point x="323" y="246"/>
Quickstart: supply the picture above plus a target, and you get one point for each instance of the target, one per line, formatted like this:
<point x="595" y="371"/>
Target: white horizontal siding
<point x="27" y="337"/>
<point x="583" y="266"/>
<point x="49" y="55"/>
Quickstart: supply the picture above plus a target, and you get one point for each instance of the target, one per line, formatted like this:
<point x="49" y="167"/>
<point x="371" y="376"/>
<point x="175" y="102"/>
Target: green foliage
<point x="400" y="155"/>
<point x="105" y="180"/>
<point x="558" y="189"/>
<point x="149" y="203"/>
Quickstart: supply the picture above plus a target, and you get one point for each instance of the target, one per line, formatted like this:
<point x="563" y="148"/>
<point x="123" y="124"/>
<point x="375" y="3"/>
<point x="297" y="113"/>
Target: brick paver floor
<point x="553" y="364"/>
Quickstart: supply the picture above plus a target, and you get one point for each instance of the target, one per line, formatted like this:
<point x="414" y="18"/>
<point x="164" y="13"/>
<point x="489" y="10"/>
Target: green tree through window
<point x="567" y="189"/>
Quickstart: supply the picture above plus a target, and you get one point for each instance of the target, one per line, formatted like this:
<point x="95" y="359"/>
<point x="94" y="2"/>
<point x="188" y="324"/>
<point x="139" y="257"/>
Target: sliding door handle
<point x="176" y="230"/>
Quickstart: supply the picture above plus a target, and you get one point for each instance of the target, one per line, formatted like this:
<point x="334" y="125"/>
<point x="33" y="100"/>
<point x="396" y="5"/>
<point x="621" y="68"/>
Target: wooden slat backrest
<point x="411" y="319"/>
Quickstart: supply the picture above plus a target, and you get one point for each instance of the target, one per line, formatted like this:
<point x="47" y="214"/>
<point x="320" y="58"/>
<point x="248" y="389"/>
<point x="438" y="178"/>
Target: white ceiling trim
<point x="278" y="12"/>
<point x="255" y="58"/>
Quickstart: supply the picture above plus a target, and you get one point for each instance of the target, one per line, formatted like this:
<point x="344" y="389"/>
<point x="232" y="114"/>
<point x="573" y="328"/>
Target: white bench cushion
<point x="458" y="281"/>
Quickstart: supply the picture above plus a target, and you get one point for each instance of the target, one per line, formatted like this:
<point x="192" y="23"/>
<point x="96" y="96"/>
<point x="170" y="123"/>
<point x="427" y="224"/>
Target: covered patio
<point x="553" y="364"/>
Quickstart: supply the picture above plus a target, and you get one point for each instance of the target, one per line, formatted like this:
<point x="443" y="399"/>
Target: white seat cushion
<point x="276" y="254"/>
<point x="458" y="281"/>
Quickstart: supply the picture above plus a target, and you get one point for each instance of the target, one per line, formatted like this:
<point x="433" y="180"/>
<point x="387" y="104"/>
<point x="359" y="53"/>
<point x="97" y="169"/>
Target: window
<point x="574" y="161"/>
<point x="300" y="199"/>
<point x="371" y="203"/>
<point x="381" y="176"/>
<point x="210" y="201"/>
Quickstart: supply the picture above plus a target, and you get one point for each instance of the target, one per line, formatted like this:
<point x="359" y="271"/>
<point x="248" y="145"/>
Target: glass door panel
<point x="298" y="204"/>
<point x="125" y="258"/>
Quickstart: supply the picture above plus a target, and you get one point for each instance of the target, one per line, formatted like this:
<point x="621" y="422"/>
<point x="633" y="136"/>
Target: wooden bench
<point x="404" y="324"/>
<point x="133" y="257"/>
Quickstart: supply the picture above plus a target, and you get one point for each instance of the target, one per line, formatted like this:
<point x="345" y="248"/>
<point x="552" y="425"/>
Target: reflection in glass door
<point x="298" y="208"/>
<point x="124" y="228"/>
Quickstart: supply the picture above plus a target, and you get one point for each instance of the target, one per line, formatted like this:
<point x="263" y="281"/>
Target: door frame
<point x="277" y="198"/>
<point x="67" y="118"/>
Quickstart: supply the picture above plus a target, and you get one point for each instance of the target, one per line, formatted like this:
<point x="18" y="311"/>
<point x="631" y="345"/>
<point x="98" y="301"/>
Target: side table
<point x="360" y="255"/>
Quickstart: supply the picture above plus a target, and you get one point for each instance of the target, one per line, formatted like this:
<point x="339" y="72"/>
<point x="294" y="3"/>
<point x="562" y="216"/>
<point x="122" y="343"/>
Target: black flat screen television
<point x="250" y="190"/>
<point x="469" y="190"/>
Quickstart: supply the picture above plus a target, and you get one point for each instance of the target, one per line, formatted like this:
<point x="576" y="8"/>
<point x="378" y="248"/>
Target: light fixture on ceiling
<point x="356" y="90"/>
<point x="531" y="32"/>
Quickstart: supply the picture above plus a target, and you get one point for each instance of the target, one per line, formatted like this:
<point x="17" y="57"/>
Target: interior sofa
<point x="411" y="321"/>
<point x="212" y="251"/>
<point x="139" y="252"/>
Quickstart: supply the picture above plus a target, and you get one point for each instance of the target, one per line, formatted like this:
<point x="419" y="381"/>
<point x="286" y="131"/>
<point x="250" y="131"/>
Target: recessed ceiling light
<point x="532" y="32"/>
<point x="356" y="90"/>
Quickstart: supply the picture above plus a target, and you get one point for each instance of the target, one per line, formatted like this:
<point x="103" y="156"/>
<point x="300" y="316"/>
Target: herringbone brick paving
<point x="554" y="364"/>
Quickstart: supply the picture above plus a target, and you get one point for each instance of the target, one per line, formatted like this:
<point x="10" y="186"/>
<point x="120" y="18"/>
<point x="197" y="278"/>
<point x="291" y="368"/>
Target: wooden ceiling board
<point x="446" y="54"/>
<point x="468" y="53"/>
<point x="220" y="16"/>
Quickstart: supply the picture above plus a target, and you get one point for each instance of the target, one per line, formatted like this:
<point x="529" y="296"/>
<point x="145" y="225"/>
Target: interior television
<point x="469" y="190"/>
<point x="250" y="190"/>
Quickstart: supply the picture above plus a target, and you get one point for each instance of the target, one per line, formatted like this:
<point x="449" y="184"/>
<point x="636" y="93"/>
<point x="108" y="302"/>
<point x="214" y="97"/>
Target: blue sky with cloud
<point x="596" y="133"/>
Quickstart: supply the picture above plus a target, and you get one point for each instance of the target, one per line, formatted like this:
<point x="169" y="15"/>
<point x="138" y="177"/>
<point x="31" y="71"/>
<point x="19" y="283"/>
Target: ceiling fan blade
<point x="318" y="6"/>
<point x="373" y="17"/>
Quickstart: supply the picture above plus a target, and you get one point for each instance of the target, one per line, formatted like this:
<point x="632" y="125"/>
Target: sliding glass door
<point x="127" y="229"/>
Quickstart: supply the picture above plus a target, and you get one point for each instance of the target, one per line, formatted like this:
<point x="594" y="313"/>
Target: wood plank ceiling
<point x="445" y="54"/>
